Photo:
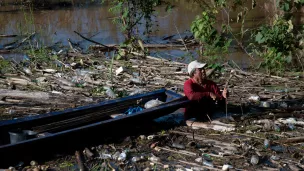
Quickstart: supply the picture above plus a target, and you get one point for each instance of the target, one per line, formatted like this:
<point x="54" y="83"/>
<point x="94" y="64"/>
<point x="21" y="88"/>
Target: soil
<point x="168" y="146"/>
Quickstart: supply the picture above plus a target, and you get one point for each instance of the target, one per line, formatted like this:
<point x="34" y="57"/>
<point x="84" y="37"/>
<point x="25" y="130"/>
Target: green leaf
<point x="169" y="8"/>
<point x="288" y="59"/>
<point x="286" y="7"/>
<point x="259" y="38"/>
<point x="196" y="34"/>
<point x="200" y="27"/>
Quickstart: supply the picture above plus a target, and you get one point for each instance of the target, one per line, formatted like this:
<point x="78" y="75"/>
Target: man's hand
<point x="212" y="95"/>
<point x="224" y="93"/>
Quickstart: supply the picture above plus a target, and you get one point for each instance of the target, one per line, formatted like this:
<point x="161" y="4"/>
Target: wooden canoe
<point x="76" y="127"/>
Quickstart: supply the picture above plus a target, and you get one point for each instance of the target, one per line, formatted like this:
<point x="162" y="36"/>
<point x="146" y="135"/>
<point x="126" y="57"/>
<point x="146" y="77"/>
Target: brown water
<point x="95" y="21"/>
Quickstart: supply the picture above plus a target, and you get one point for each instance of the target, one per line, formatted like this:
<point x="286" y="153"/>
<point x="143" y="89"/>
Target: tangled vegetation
<point x="279" y="44"/>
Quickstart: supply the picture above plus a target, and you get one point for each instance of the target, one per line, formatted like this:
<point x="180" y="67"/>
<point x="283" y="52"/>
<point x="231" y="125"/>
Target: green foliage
<point x="4" y="65"/>
<point x="66" y="164"/>
<point x="288" y="5"/>
<point x="40" y="56"/>
<point x="133" y="12"/>
<point x="276" y="45"/>
<point x="202" y="27"/>
<point x="215" y="43"/>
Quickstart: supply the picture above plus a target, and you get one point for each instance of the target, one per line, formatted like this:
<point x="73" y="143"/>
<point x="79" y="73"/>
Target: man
<point x="203" y="93"/>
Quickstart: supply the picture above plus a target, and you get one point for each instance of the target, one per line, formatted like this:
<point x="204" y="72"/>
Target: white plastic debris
<point x="154" y="159"/>
<point x="120" y="70"/>
<point x="265" y="104"/>
<point x="142" y="137"/>
<point x="249" y="132"/>
<point x="284" y="105"/>
<point x="56" y="92"/>
<point x="255" y="98"/>
<point x="110" y="93"/>
<point x="136" y="81"/>
<point x="50" y="70"/>
<point x="153" y="103"/>
<point x="122" y="156"/>
<point x="137" y="91"/>
<point x="59" y="75"/>
<point x="105" y="156"/>
<point x="116" y="155"/>
<point x="136" y="159"/>
<point x="227" y="167"/>
<point x="254" y="160"/>
<point x="291" y="120"/>
<point x="199" y="160"/>
<point x="100" y="67"/>
<point x="150" y="137"/>
<point x="27" y="71"/>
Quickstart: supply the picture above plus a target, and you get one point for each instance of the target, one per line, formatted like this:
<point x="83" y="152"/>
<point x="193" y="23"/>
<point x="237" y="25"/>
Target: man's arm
<point x="191" y="94"/>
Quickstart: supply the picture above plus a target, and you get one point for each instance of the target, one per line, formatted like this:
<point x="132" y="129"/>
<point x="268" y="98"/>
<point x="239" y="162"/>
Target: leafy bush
<point x="215" y="43"/>
<point x="276" y="44"/>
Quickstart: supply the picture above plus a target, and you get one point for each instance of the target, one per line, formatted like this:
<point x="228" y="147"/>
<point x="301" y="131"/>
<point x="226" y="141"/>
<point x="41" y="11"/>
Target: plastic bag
<point x="153" y="103"/>
<point x="132" y="110"/>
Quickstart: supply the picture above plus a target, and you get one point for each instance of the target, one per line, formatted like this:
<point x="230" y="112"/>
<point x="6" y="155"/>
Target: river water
<point x="93" y="20"/>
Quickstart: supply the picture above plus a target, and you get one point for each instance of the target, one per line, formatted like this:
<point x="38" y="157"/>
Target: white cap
<point x="194" y="64"/>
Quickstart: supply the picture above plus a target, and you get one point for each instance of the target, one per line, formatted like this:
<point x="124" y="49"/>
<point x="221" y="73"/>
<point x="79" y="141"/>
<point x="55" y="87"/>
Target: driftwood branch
<point x="184" y="152"/>
<point x="79" y="159"/>
<point x="12" y="35"/>
<point x="293" y="140"/>
<point x="213" y="125"/>
<point x="93" y="41"/>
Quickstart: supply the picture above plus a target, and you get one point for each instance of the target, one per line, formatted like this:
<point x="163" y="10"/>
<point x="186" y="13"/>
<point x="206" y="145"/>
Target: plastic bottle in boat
<point x="153" y="103"/>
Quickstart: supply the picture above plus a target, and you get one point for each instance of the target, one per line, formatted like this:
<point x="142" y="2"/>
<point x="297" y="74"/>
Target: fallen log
<point x="293" y="140"/>
<point x="222" y="145"/>
<point x="25" y="94"/>
<point x="42" y="97"/>
<point x="18" y="81"/>
<point x="284" y="121"/>
<point x="214" y="125"/>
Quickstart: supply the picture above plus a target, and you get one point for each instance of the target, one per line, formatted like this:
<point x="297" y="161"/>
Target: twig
<point x="208" y="118"/>
<point x="65" y="65"/>
<point x="90" y="39"/>
<point x="226" y="99"/>
<point x="197" y="165"/>
<point x="79" y="159"/>
<point x="181" y="38"/>
<point x="293" y="140"/>
<point x="2" y="35"/>
<point x="71" y="46"/>
<point x="184" y="152"/>
<point x="300" y="62"/>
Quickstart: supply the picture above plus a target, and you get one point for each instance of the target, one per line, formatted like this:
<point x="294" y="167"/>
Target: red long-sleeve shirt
<point x="200" y="96"/>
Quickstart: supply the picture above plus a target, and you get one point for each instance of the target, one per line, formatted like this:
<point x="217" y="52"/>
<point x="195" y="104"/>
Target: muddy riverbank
<point x="53" y="59"/>
<point x="257" y="106"/>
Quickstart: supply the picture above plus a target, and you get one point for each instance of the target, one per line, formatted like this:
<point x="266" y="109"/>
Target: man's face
<point x="200" y="73"/>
